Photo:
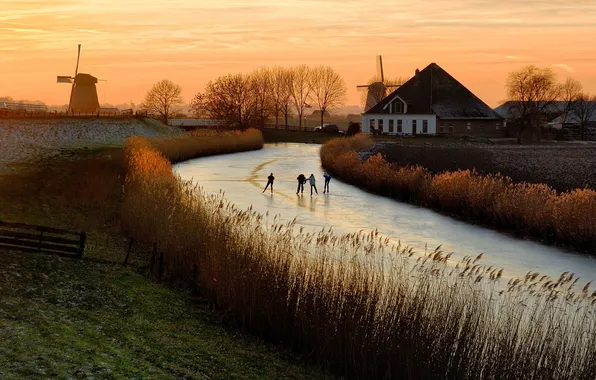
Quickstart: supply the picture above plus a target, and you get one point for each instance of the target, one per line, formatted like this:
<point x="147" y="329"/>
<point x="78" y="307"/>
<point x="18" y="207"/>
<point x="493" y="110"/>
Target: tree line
<point x="534" y="93"/>
<point x="251" y="99"/>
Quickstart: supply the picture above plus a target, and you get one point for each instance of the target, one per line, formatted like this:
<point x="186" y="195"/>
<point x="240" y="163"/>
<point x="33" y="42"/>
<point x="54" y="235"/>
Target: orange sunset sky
<point x="134" y="43"/>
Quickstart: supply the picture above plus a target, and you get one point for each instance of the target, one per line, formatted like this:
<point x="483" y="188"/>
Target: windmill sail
<point x="64" y="79"/>
<point x="378" y="88"/>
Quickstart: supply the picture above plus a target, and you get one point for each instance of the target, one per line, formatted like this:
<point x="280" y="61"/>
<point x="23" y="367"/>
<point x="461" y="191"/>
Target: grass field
<point x="94" y="318"/>
<point x="561" y="165"/>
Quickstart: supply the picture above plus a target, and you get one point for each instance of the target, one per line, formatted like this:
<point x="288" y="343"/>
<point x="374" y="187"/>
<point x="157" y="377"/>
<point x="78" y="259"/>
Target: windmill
<point x="83" y="94"/>
<point x="377" y="90"/>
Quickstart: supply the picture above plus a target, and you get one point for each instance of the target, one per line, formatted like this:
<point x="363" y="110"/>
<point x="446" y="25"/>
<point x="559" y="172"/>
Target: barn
<point x="432" y="102"/>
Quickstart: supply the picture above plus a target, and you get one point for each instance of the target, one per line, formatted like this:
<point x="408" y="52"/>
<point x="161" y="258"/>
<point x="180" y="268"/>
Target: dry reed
<point x="532" y="209"/>
<point x="355" y="303"/>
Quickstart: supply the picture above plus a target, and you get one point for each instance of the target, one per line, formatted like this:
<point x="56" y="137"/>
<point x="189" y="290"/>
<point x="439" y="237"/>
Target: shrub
<point x="353" y="128"/>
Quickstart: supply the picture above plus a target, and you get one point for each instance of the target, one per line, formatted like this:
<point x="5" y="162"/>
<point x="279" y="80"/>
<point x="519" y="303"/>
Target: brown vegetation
<point x="563" y="166"/>
<point x="355" y="303"/>
<point x="534" y="209"/>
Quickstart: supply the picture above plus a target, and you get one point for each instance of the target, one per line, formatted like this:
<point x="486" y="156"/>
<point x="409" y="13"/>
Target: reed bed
<point x="206" y="142"/>
<point x="532" y="209"/>
<point x="357" y="304"/>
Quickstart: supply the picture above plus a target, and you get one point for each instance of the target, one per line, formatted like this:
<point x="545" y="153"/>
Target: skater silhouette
<point x="312" y="184"/>
<point x="270" y="180"/>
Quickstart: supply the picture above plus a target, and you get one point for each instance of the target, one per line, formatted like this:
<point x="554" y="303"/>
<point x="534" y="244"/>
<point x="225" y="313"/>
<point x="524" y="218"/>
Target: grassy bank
<point x="94" y="317"/>
<point x="355" y="303"/>
<point x="533" y="209"/>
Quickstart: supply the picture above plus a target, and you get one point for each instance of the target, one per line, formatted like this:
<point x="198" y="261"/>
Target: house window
<point x="498" y="126"/>
<point x="414" y="122"/>
<point x="424" y="126"/>
<point x="381" y="125"/>
<point x="397" y="107"/>
<point x="451" y="129"/>
<point x="399" y="126"/>
<point x="391" y="126"/>
<point x="442" y="128"/>
<point x="469" y="126"/>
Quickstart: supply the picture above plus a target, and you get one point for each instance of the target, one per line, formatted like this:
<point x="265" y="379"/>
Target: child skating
<point x="312" y="181"/>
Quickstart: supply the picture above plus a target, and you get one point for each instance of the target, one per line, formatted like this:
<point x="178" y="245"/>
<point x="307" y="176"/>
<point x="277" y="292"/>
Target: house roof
<point x="433" y="90"/>
<point x="506" y="108"/>
<point x="554" y="109"/>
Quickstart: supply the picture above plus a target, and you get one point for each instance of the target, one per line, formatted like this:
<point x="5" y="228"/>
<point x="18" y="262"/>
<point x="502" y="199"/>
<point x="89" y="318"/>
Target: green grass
<point x="92" y="318"/>
<point x="69" y="318"/>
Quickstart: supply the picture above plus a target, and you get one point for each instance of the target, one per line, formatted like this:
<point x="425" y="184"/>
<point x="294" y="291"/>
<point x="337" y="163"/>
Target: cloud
<point x="565" y="67"/>
<point x="88" y="31"/>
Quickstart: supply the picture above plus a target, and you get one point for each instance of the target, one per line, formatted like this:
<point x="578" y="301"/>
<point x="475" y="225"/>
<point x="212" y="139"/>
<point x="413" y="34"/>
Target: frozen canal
<point x="347" y="209"/>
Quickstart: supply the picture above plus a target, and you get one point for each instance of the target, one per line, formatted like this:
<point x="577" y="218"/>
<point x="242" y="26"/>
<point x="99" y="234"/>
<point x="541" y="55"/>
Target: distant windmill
<point x="83" y="94"/>
<point x="377" y="90"/>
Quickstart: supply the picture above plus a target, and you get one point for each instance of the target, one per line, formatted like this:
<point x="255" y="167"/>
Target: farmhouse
<point x="432" y="102"/>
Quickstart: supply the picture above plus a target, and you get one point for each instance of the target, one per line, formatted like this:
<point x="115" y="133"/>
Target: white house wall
<point x="406" y="126"/>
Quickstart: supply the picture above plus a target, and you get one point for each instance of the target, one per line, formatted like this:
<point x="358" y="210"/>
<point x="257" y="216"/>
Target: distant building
<point x="556" y="116"/>
<point x="109" y="111"/>
<point x="432" y="102"/>
<point x="316" y="114"/>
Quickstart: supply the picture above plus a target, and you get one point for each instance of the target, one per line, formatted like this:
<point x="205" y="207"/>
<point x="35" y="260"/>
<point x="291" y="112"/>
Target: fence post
<point x="83" y="239"/>
<point x="153" y="257"/>
<point x="128" y="252"/>
<point x="40" y="239"/>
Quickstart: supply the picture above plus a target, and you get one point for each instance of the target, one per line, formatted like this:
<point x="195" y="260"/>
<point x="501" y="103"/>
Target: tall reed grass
<point x="206" y="142"/>
<point x="355" y="303"/>
<point x="533" y="209"/>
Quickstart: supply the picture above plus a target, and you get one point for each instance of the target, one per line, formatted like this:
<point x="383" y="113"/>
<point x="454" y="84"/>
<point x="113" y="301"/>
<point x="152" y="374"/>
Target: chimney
<point x="416" y="80"/>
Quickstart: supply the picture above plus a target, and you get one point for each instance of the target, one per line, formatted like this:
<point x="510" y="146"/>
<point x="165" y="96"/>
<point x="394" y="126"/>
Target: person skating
<point x="312" y="184"/>
<point x="270" y="180"/>
<point x="301" y="181"/>
<point x="327" y="180"/>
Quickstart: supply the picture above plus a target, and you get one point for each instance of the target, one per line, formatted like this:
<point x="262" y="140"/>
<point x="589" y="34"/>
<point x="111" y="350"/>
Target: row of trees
<point x="248" y="99"/>
<point x="535" y="93"/>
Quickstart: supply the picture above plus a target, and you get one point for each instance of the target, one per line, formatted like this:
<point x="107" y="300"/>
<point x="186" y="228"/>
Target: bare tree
<point x="300" y="86"/>
<point x="584" y="108"/>
<point x="230" y="98"/>
<point x="328" y="89"/>
<point x="282" y="93"/>
<point x="163" y="99"/>
<point x="532" y="92"/>
<point x="261" y="82"/>
<point x="377" y="90"/>
<point x="570" y="92"/>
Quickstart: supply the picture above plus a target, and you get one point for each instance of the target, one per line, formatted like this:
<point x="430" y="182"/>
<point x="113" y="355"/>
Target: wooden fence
<point x="289" y="127"/>
<point x="64" y="114"/>
<point x="40" y="239"/>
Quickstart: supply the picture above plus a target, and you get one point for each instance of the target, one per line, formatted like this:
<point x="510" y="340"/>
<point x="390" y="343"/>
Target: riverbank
<point x="563" y="166"/>
<point x="94" y="317"/>
<point x="529" y="209"/>
<point x="355" y="303"/>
